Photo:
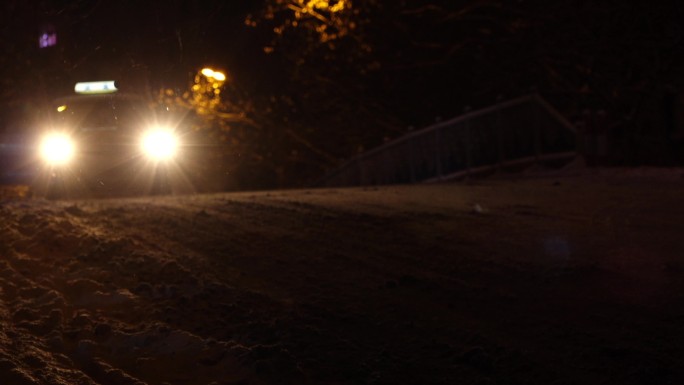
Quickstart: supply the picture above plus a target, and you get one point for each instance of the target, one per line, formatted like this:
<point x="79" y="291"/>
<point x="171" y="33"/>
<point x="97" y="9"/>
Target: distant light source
<point x="208" y="72"/>
<point x="103" y="87"/>
<point x="47" y="37"/>
<point x="47" y="40"/>
<point x="219" y="76"/>
<point x="62" y="108"/>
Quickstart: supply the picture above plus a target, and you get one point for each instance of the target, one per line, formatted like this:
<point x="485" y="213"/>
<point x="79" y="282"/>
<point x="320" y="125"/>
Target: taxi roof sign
<point x="101" y="87"/>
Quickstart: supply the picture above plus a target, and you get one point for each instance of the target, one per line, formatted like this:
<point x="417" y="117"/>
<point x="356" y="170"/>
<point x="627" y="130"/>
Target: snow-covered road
<point x="562" y="280"/>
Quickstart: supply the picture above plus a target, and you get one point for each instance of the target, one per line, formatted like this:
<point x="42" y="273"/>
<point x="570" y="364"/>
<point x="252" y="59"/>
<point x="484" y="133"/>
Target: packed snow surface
<point x="575" y="279"/>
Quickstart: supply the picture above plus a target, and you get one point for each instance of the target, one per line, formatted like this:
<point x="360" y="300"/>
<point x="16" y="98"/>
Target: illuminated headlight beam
<point x="160" y="144"/>
<point x="56" y="149"/>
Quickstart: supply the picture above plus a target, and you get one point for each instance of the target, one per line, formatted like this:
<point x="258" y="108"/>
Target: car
<point x="102" y="142"/>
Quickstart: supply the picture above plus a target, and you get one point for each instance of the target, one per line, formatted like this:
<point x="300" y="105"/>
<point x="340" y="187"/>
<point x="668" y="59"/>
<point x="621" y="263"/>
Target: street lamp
<point x="213" y="75"/>
<point x="219" y="76"/>
<point x="206" y="91"/>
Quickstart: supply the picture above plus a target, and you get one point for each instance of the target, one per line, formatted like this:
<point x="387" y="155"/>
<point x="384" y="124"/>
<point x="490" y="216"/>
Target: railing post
<point x="499" y="138"/>
<point x="469" y="157"/>
<point x="438" y="152"/>
<point x="359" y="167"/>
<point x="537" y="131"/>
<point x="412" y="160"/>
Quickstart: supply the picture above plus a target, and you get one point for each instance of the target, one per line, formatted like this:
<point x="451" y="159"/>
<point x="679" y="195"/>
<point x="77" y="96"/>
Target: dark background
<point x="309" y="105"/>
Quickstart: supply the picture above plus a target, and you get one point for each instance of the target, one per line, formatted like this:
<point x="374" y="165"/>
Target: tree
<point x="418" y="60"/>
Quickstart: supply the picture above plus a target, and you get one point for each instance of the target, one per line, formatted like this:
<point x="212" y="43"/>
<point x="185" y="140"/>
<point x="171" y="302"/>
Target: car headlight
<point x="160" y="144"/>
<point x="56" y="149"/>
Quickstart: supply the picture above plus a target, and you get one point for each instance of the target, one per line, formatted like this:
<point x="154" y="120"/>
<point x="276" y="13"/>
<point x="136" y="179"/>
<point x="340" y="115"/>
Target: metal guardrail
<point x="524" y="128"/>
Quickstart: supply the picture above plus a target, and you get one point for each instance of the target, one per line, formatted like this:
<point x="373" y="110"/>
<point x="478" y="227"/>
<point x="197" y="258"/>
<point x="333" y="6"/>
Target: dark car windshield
<point x="102" y="113"/>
